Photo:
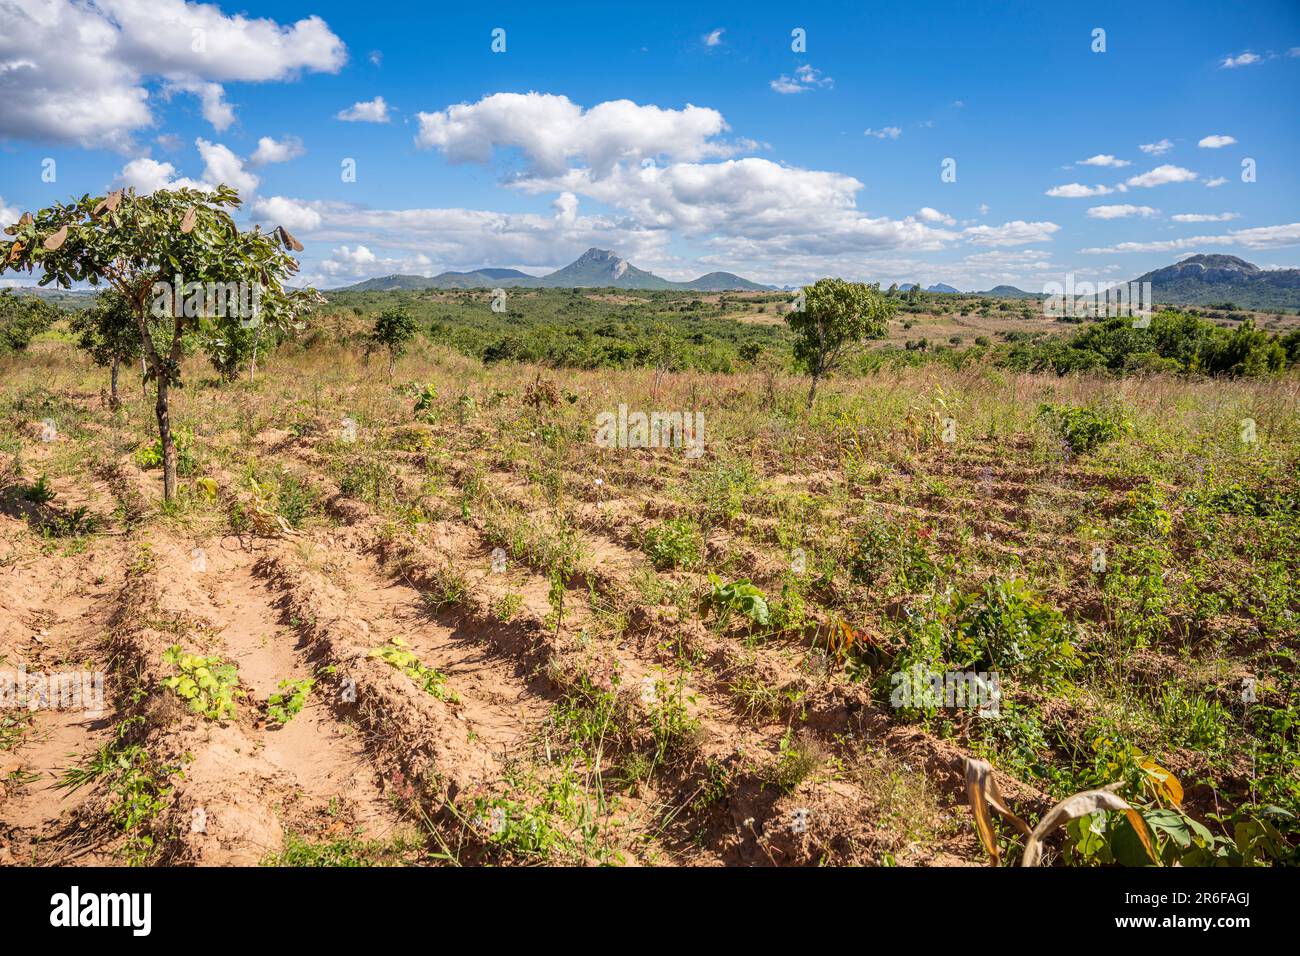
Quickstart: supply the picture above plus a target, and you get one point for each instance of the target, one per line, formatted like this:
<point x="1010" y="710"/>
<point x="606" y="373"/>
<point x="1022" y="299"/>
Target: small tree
<point x="108" y="333"/>
<point x="837" y="315"/>
<point x="394" y="329"/>
<point x="662" y="354"/>
<point x="170" y="254"/>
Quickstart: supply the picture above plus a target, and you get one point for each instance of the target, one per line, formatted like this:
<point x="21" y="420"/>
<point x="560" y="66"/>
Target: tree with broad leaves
<point x="107" y="332"/>
<point x="836" y="316"/>
<point x="166" y="253"/>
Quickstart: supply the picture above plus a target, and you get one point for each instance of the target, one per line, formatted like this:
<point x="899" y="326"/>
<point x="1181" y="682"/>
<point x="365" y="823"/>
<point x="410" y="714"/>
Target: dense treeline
<point x="1173" y="342"/>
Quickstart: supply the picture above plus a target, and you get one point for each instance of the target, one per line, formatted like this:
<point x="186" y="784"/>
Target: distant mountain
<point x="723" y="282"/>
<point x="1215" y="279"/>
<point x="478" y="279"/>
<point x="1009" y="292"/>
<point x="941" y="287"/>
<point x="391" y="283"/>
<point x="595" y="268"/>
<point x="599" y="268"/>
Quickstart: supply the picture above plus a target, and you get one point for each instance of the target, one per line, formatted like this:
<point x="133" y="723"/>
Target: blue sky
<point x="686" y="137"/>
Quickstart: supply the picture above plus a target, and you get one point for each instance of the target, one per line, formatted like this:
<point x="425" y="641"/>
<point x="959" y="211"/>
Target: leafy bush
<point x="394" y="329"/>
<point x="1002" y="627"/>
<point x="39" y="492"/>
<point x="285" y="494"/>
<point x="676" y="543"/>
<point x="738" y="597"/>
<point x="1005" y="626"/>
<point x="149" y="457"/>
<point x="1249" y="836"/>
<point x="896" y="554"/>
<point x="208" y="685"/>
<point x="1083" y="429"/>
<point x="22" y="318"/>
<point x="425" y="397"/>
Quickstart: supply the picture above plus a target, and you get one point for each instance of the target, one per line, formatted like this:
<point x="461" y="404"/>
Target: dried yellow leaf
<point x="982" y="791"/>
<point x="1080" y="805"/>
<point x="55" y="240"/>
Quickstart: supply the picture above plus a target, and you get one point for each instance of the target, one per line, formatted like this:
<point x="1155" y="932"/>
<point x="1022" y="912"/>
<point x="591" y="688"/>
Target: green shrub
<point x="398" y="655"/>
<point x="288" y="702"/>
<point x="738" y="597"/>
<point x="22" y="318"/>
<point x="208" y="685"/>
<point x="1083" y="429"/>
<point x="1005" y="626"/>
<point x="895" y="555"/>
<point x="676" y="543"/>
<point x="150" y="456"/>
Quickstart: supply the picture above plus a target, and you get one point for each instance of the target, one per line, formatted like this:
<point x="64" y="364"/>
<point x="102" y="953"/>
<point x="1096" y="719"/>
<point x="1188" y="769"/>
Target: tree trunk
<point x="252" y="365"/>
<point x="144" y="379"/>
<point x="165" y="435"/>
<point x="113" y="401"/>
<point x="161" y="381"/>
<point x="812" y="392"/>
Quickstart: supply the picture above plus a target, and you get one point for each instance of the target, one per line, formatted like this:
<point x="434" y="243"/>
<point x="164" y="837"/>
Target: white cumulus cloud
<point x="1161" y="176"/>
<point x="1241" y="59"/>
<point x="1078" y="191"/>
<point x="294" y="215"/>
<point x="147" y="176"/>
<point x="8" y="214"/>
<point x="365" y="111"/>
<point x="1261" y="237"/>
<point x="1120" y="211"/>
<point x="1011" y="233"/>
<point x="552" y="131"/>
<point x="1103" y="159"/>
<point x="79" y="72"/>
<point x="805" y="77"/>
<point x="271" y="150"/>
